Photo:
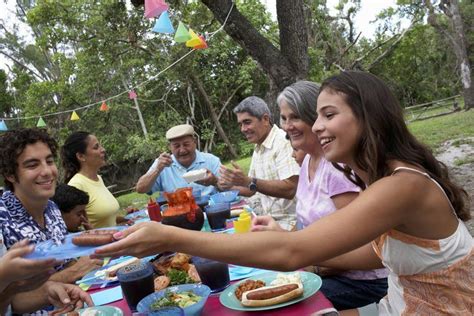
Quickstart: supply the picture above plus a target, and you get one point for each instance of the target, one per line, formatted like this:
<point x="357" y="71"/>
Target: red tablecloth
<point x="213" y="307"/>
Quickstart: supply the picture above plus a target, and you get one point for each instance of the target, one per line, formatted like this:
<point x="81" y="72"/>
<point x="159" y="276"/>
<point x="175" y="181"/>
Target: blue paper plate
<point x="137" y="215"/>
<point x="96" y="278"/>
<point x="224" y="197"/>
<point x="65" y="250"/>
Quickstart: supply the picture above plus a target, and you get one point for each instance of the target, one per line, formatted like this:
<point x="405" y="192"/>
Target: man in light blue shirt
<point x="166" y="173"/>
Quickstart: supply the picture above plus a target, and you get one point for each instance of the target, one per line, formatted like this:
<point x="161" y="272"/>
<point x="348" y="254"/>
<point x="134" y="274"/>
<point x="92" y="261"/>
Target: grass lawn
<point x="433" y="132"/>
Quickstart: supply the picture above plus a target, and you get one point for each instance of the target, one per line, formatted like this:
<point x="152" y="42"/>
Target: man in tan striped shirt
<point x="273" y="175"/>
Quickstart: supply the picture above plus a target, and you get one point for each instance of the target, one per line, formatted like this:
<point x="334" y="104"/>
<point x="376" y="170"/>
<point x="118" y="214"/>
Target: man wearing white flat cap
<point x="166" y="173"/>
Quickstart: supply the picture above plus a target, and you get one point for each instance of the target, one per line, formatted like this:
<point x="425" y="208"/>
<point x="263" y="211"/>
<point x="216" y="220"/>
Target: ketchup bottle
<point x="154" y="211"/>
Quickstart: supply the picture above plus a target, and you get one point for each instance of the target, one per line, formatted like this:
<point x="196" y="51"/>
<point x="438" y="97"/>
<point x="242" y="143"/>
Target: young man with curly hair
<point x="27" y="164"/>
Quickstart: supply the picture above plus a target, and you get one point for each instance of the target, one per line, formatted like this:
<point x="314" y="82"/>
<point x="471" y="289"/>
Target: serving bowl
<point x="224" y="197"/>
<point x="144" y="306"/>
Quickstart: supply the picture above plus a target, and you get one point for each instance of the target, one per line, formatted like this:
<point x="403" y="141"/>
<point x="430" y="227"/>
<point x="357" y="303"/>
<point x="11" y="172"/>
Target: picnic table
<point x="213" y="307"/>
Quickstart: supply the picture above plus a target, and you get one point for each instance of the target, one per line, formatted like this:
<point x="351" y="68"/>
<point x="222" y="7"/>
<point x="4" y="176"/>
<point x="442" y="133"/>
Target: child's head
<point x="27" y="162"/>
<point x="299" y="155"/>
<point x="72" y="203"/>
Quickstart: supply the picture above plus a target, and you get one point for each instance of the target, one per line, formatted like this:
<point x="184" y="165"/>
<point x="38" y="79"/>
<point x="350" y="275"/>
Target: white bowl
<point x="195" y="175"/>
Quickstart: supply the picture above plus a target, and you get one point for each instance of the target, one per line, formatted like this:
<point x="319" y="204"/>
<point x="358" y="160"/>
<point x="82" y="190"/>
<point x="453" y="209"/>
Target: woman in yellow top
<point x="82" y="157"/>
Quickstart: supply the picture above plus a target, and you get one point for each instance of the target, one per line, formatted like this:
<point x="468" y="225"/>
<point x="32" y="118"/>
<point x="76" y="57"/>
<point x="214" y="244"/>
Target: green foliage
<point x="85" y="51"/>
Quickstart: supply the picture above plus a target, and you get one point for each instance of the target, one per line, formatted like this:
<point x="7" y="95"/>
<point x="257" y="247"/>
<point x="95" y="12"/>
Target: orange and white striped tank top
<point x="428" y="277"/>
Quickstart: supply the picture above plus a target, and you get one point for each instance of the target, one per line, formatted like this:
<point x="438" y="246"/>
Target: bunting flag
<point x="41" y="122"/>
<point x="74" y="116"/>
<point x="194" y="41"/>
<point x="132" y="94"/>
<point x="103" y="107"/>
<point x="202" y="43"/>
<point x="154" y="8"/>
<point x="182" y="34"/>
<point x="163" y="24"/>
<point x="3" y="126"/>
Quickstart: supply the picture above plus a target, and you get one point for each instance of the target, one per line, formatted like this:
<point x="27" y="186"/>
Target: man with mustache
<point x="166" y="172"/>
<point x="273" y="174"/>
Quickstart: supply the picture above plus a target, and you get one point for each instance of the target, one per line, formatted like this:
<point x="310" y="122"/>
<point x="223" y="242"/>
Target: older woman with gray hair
<point x="322" y="189"/>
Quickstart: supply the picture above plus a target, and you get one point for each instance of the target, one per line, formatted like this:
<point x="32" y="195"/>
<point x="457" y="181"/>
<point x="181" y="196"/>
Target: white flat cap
<point x="179" y="131"/>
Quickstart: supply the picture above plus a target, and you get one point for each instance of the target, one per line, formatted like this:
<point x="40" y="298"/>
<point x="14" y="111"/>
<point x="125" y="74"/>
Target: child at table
<point x="410" y="216"/>
<point x="72" y="203"/>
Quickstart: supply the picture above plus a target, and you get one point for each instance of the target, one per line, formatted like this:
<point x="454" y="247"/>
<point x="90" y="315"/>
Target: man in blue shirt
<point x="166" y="173"/>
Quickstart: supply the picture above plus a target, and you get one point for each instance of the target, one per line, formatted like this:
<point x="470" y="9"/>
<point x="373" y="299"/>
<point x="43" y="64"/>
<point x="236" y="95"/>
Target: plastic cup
<point x="196" y="193"/>
<point x="217" y="215"/>
<point x="213" y="273"/>
<point x="136" y="281"/>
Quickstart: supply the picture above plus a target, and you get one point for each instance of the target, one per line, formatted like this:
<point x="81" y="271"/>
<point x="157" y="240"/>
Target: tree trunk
<point x="214" y="117"/>
<point x="284" y="66"/>
<point x="461" y="53"/>
<point x="458" y="41"/>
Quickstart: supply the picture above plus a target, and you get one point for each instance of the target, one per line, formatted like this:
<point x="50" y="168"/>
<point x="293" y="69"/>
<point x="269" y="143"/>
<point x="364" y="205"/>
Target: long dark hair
<point x="385" y="135"/>
<point x="75" y="143"/>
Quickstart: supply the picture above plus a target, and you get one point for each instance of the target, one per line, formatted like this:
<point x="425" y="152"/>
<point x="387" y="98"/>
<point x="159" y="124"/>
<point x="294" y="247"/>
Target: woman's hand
<point x="140" y="240"/>
<point x="265" y="223"/>
<point x="24" y="273"/>
<point x="67" y="297"/>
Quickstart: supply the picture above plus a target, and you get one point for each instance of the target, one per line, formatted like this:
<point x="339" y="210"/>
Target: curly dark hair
<point x="385" y="135"/>
<point x="74" y="144"/>
<point x="12" y="144"/>
<point x="68" y="197"/>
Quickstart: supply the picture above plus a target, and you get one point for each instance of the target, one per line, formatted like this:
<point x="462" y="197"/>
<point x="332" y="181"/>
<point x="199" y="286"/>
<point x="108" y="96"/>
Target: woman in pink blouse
<point x="322" y="189"/>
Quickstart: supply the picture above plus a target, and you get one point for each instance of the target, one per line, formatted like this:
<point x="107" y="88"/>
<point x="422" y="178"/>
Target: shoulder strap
<point x="428" y="176"/>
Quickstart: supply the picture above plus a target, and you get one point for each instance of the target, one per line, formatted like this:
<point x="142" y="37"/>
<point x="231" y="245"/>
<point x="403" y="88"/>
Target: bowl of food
<point x="224" y="197"/>
<point x="190" y="297"/>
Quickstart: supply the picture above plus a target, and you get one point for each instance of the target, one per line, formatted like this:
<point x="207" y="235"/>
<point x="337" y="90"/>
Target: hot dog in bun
<point x="271" y="295"/>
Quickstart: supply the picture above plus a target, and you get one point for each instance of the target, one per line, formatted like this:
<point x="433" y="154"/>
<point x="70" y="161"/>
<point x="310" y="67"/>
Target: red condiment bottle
<point x="154" y="211"/>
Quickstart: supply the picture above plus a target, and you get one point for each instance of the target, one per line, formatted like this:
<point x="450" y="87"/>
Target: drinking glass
<point x="213" y="273"/>
<point x="217" y="215"/>
<point x="136" y="281"/>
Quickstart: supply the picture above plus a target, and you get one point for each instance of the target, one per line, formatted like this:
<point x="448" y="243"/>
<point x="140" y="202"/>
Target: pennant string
<point x="209" y="36"/>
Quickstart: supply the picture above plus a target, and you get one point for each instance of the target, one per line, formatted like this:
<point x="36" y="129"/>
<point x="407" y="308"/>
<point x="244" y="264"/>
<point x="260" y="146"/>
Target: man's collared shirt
<point x="272" y="160"/>
<point x="171" y="178"/>
<point x="17" y="224"/>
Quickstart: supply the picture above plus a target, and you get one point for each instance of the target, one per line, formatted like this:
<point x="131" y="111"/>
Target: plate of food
<point x="270" y="290"/>
<point x="75" y="245"/>
<point x="174" y="269"/>
<point x="97" y="311"/>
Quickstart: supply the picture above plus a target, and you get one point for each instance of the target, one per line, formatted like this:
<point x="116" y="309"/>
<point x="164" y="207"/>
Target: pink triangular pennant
<point x="154" y="8"/>
<point x="132" y="94"/>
